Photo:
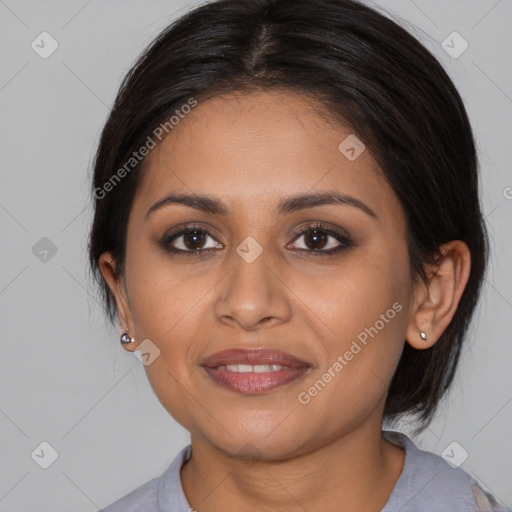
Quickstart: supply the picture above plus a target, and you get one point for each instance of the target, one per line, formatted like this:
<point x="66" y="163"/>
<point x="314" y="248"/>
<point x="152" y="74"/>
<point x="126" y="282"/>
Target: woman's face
<point x="340" y="308"/>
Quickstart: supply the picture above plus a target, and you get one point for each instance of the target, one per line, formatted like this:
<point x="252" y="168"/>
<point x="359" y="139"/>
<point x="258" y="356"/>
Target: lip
<point x="251" y="382"/>
<point x="252" y="356"/>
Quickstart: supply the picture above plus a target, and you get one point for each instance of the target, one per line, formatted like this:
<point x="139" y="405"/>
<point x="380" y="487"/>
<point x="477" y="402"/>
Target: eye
<point x="190" y="239"/>
<point x="194" y="240"/>
<point x="319" y="239"/>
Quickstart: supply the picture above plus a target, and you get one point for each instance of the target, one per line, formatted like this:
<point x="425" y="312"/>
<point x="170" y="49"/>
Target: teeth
<point x="256" y="368"/>
<point x="239" y="368"/>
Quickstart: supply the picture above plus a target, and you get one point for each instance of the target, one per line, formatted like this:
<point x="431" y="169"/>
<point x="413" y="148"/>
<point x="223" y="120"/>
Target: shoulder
<point x="142" y="499"/>
<point x="157" y="494"/>
<point x="429" y="483"/>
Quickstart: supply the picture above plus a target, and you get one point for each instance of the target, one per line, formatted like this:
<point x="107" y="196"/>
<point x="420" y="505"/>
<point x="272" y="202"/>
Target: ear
<point x="117" y="285"/>
<point x="435" y="305"/>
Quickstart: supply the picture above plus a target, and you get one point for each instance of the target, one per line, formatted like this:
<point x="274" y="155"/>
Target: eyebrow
<point x="285" y="206"/>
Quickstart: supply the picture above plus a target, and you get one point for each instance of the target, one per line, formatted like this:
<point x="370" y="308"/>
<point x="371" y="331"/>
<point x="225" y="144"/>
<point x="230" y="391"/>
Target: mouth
<point x="254" y="371"/>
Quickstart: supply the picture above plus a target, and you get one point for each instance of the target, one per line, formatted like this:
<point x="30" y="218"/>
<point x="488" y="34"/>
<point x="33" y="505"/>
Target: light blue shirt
<point x="427" y="484"/>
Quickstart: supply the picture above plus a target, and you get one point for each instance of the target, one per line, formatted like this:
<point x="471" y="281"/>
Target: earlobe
<point x="437" y="303"/>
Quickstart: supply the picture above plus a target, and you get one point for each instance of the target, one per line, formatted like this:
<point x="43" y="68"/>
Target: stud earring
<point x="125" y="338"/>
<point x="423" y="335"/>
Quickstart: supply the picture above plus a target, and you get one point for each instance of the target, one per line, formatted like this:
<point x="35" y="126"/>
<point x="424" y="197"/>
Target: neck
<point x="355" y="472"/>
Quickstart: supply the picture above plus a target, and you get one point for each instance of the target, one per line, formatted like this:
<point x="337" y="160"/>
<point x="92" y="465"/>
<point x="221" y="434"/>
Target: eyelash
<point x="344" y="240"/>
<point x="319" y="226"/>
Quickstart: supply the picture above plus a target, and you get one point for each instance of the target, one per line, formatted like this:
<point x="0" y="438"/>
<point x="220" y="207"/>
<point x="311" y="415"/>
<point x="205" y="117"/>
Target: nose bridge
<point x="252" y="293"/>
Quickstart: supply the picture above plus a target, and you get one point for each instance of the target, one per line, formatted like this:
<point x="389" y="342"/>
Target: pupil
<point x="315" y="237"/>
<point x="196" y="237"/>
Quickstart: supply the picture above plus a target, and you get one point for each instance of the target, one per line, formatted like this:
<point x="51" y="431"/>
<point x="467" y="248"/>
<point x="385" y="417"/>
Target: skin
<point x="251" y="150"/>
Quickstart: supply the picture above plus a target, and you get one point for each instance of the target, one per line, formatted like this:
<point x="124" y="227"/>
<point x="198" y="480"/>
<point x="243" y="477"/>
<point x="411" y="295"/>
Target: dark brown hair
<point x="371" y="75"/>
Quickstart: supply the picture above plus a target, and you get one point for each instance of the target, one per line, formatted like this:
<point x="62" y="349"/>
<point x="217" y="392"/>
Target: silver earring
<point x="125" y="338"/>
<point x="423" y="335"/>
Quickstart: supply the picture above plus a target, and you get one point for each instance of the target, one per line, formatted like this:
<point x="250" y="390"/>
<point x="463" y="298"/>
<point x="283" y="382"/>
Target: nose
<point x="253" y="295"/>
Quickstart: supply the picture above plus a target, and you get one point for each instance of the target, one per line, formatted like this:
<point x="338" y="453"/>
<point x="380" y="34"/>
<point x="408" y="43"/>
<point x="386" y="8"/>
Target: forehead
<point x="250" y="149"/>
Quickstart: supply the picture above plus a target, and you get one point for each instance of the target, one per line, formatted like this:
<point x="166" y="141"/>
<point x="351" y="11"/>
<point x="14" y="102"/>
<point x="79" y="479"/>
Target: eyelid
<point x="337" y="233"/>
<point x="179" y="231"/>
<point x="190" y="226"/>
<point x="319" y="225"/>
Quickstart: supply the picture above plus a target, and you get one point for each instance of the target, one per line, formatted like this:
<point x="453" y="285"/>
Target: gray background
<point x="65" y="379"/>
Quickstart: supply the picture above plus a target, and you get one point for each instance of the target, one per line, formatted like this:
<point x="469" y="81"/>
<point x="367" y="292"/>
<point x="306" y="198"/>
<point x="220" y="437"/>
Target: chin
<point x="257" y="444"/>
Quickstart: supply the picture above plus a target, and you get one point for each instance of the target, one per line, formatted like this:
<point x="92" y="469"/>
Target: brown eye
<point x="315" y="239"/>
<point x="194" y="239"/>
<point x="321" y="240"/>
<point x="191" y="240"/>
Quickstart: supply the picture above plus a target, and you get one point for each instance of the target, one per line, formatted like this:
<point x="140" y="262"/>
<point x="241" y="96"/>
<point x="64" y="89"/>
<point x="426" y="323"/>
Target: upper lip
<point x="252" y="357"/>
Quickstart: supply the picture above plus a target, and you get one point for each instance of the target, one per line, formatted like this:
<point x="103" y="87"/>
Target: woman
<point x="288" y="227"/>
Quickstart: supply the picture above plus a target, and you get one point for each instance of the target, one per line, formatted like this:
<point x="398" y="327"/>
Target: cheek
<point x="356" y="294"/>
<point x="364" y="307"/>
<point x="354" y="377"/>
<point x="166" y="306"/>
<point x="165" y="296"/>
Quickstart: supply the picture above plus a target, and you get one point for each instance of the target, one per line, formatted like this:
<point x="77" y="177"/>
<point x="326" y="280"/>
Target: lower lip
<point x="253" y="383"/>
